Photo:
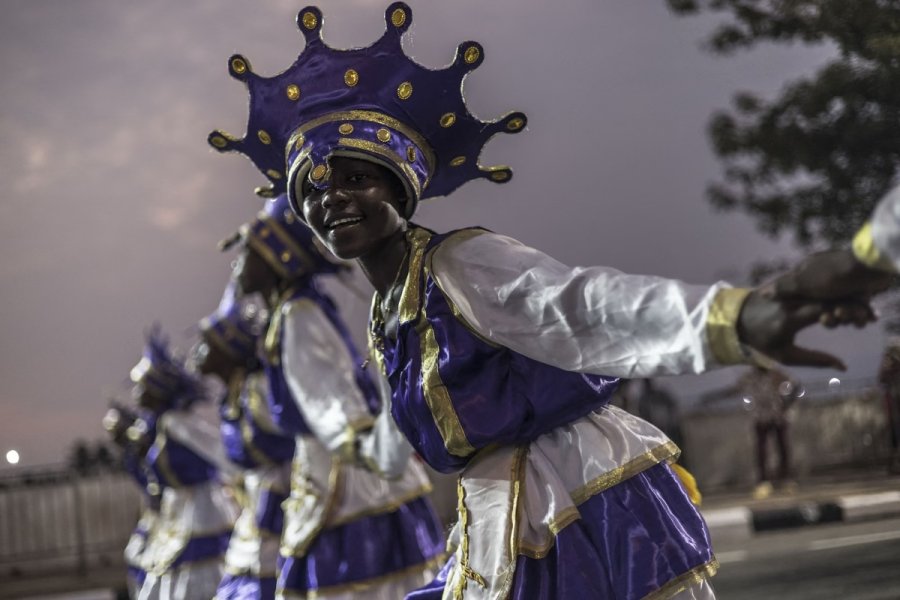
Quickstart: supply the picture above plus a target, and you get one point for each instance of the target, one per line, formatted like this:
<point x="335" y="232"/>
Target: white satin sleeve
<point x="885" y="232"/>
<point x="585" y="319"/>
<point x="191" y="430"/>
<point x="321" y="375"/>
<point x="385" y="449"/>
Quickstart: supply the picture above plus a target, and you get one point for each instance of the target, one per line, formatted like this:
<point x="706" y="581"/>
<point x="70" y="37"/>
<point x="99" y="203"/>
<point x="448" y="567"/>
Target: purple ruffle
<point x="367" y="548"/>
<point x="246" y="587"/>
<point x="202" y="548"/>
<point x="631" y="540"/>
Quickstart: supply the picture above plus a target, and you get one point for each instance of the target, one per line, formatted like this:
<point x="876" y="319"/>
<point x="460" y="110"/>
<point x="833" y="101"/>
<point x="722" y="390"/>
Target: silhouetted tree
<point x="813" y="161"/>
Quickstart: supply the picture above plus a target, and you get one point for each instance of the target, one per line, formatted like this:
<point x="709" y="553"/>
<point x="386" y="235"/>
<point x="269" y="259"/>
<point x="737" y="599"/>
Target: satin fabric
<point x="248" y="442"/>
<point x="245" y="587"/>
<point x="369" y="548"/>
<point x="886" y="227"/>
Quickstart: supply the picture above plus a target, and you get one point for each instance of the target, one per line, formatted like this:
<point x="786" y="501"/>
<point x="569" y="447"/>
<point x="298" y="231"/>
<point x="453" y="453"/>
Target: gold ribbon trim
<point x="721" y="326"/>
<point x="867" y="252"/>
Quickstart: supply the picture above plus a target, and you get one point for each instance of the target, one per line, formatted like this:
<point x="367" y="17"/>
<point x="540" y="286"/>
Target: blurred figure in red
<point x="889" y="378"/>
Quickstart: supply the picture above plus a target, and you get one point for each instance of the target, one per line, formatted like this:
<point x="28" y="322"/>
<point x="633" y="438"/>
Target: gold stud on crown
<point x="448" y="119"/>
<point x="293" y="92"/>
<point x="218" y="141"/>
<point x="274" y="174"/>
<point x="264" y="137"/>
<point x="410" y="154"/>
<point x="318" y="172"/>
<point x="285" y="256"/>
<point x="351" y="78"/>
<point x="515" y="124"/>
<point x="458" y="161"/>
<point x="472" y="54"/>
<point x="239" y="66"/>
<point x="383" y="135"/>
<point x="345" y="129"/>
<point x="398" y="17"/>
<point x="500" y="175"/>
<point x="264" y="232"/>
<point x="309" y="20"/>
<point x="404" y="90"/>
<point x="299" y="143"/>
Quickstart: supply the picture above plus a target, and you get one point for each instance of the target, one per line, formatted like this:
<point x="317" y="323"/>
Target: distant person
<point x="889" y="378"/>
<point x="656" y="405"/>
<point x="770" y="394"/>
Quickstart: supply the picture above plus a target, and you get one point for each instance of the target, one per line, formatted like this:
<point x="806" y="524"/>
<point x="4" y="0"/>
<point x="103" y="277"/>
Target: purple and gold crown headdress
<point x="374" y="103"/>
<point x="235" y="326"/>
<point x="165" y="374"/>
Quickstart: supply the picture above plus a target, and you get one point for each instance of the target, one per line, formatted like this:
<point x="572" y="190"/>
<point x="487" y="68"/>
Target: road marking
<point x="854" y="540"/>
<point x="730" y="557"/>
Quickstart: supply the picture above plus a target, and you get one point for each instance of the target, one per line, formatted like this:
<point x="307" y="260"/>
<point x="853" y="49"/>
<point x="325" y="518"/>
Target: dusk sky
<point x="112" y="201"/>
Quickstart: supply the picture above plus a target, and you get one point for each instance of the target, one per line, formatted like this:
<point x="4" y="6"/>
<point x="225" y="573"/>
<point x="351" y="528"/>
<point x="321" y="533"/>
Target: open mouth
<point x="342" y="222"/>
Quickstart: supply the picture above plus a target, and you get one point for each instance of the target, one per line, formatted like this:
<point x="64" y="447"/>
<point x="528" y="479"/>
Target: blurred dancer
<point x="183" y="557"/>
<point x="228" y="351"/>
<point x="348" y="531"/>
<point x="133" y="434"/>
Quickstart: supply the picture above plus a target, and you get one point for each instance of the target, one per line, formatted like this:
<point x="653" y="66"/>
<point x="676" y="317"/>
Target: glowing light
<point x="834" y="382"/>
<point x="12" y="457"/>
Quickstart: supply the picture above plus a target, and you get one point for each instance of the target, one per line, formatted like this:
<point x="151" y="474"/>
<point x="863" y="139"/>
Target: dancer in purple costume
<point x="228" y="351"/>
<point x="348" y="532"/>
<point x="500" y="361"/>
<point x="183" y="557"/>
<point x="133" y="433"/>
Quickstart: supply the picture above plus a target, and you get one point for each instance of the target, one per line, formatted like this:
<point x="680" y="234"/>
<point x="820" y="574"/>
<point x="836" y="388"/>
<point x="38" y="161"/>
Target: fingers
<point x="806" y="357"/>
<point x="848" y="313"/>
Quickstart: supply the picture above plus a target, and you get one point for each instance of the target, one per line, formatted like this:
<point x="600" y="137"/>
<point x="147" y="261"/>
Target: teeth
<point x="345" y="221"/>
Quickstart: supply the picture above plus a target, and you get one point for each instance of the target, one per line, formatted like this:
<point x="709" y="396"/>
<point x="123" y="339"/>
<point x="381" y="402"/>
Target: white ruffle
<point x="515" y="500"/>
<point x="327" y="493"/>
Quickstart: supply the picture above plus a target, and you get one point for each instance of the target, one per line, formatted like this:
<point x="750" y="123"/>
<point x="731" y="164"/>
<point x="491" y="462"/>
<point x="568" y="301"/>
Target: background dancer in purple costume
<point x="348" y="531"/>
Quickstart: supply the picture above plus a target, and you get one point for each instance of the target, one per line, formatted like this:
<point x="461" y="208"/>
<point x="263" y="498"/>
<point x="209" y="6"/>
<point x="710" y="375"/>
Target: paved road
<point x="827" y="562"/>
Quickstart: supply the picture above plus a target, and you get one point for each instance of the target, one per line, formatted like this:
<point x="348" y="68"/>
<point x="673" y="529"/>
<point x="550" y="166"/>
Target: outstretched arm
<point x="599" y="320"/>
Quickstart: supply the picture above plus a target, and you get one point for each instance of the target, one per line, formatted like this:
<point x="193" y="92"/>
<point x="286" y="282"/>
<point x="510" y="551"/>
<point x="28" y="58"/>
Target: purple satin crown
<point x="286" y="243"/>
<point x="373" y="103"/>
<point x="234" y="327"/>
<point x="162" y="372"/>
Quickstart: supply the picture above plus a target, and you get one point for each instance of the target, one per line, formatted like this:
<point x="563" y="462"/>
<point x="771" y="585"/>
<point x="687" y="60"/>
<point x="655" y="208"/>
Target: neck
<point x="381" y="266"/>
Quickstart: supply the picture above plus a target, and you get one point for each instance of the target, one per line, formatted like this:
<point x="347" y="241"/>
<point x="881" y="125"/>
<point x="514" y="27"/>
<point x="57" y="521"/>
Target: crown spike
<point x="398" y="17"/>
<point x="239" y="67"/>
<point x="497" y="173"/>
<point x="221" y="141"/>
<point x="309" y="21"/>
<point x="469" y="55"/>
<point x="266" y="191"/>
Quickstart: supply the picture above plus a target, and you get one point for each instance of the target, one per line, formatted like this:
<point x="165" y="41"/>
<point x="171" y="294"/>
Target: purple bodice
<point x="455" y="392"/>
<point x="248" y="443"/>
<point x="173" y="464"/>
<point x="284" y="410"/>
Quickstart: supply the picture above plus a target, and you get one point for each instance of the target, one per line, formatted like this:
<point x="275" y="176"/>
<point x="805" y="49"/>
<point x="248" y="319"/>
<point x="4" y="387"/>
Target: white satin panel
<point x="326" y="493"/>
<point x="320" y="374"/>
<point x="251" y="550"/>
<point x="137" y="543"/>
<point x="385" y="449"/>
<point x="188" y="582"/>
<point x="191" y="430"/>
<point x="185" y="513"/>
<point x="886" y="226"/>
<point x="696" y="591"/>
<point x="557" y="466"/>
<point x="591" y="319"/>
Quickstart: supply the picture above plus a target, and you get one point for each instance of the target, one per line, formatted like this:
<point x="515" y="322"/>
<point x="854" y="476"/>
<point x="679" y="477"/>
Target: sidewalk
<point x="848" y="496"/>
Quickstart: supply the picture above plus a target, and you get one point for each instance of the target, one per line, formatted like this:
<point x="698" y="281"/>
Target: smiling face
<point x="358" y="212"/>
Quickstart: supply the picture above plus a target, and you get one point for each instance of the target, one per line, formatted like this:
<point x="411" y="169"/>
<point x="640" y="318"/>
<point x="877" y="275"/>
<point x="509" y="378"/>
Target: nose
<point x="335" y="196"/>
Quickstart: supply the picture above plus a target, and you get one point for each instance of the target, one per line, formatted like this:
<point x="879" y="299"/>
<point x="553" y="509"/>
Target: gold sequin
<point x="410" y="154"/>
<point x="288" y="217"/>
<point x="264" y="137"/>
<point x="218" y="141"/>
<point x="285" y="256"/>
<point x="309" y="20"/>
<point x="238" y="66"/>
<point x="500" y="175"/>
<point x="398" y="17"/>
<point x="404" y="90"/>
<point x="459" y="160"/>
<point x="273" y="174"/>
<point x="318" y="172"/>
<point x="351" y="78"/>
<point x="293" y="92"/>
<point x="383" y="135"/>
<point x="515" y="124"/>
<point x="448" y="119"/>
<point x="472" y="54"/>
<point x="345" y="129"/>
